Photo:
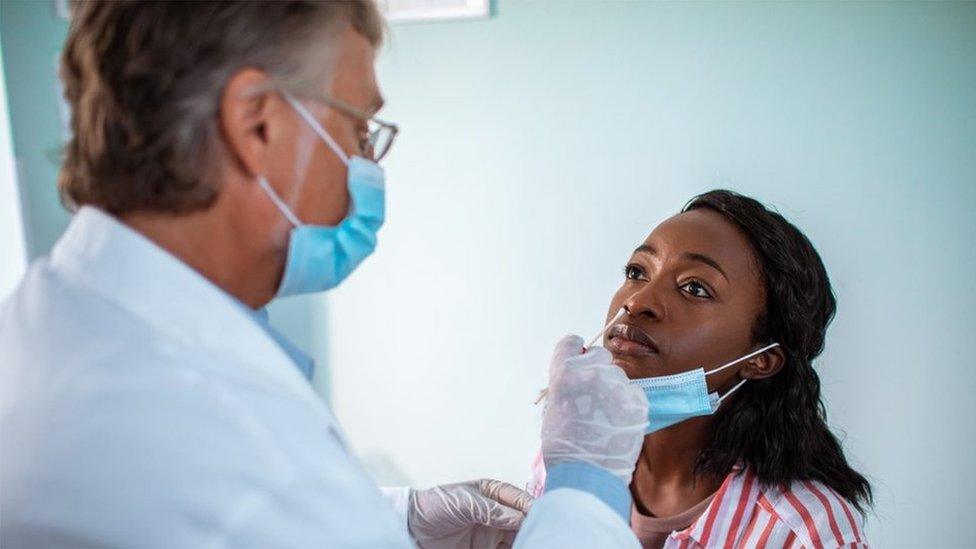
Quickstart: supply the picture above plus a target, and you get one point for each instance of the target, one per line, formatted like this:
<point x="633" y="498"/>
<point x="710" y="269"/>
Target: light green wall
<point x="540" y="146"/>
<point x="32" y="36"/>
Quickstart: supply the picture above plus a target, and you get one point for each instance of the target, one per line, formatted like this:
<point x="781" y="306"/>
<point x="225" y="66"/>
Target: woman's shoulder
<point x="746" y="512"/>
<point x="816" y="513"/>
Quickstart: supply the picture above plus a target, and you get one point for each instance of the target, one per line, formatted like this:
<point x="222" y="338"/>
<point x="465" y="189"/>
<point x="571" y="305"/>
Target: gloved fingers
<point x="613" y="374"/>
<point x="638" y="398"/>
<point x="569" y="346"/>
<point x="439" y="509"/>
<point x="483" y="537"/>
<point x="477" y="513"/>
<point x="581" y="378"/>
<point x="508" y="539"/>
<point x="584" y="374"/>
<point x="593" y="355"/>
<point x="504" y="517"/>
<point x="506" y="494"/>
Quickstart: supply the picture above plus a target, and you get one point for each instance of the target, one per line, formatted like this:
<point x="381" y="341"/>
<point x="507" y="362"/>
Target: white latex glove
<point x="478" y="513"/>
<point x="593" y="414"/>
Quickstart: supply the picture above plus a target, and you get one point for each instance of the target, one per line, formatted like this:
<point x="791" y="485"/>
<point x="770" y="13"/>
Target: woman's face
<point x="692" y="292"/>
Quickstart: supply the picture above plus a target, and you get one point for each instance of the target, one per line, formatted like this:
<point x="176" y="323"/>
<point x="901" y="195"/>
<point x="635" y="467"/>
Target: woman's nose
<point x="645" y="304"/>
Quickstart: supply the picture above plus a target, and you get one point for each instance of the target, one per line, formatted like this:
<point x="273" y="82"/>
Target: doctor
<point x="224" y="154"/>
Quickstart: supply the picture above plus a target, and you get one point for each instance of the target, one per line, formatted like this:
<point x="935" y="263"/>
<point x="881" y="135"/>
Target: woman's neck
<point x="665" y="483"/>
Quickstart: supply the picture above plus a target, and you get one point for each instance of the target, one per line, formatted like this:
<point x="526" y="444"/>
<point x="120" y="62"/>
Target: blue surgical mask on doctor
<point x="319" y="256"/>
<point x="678" y="397"/>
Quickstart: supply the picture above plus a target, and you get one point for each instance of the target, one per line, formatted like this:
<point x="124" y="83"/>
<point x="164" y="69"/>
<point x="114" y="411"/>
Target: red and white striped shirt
<point x="744" y="514"/>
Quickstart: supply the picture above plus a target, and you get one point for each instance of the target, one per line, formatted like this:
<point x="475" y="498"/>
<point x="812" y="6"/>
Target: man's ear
<point x="243" y="116"/>
<point x="764" y="365"/>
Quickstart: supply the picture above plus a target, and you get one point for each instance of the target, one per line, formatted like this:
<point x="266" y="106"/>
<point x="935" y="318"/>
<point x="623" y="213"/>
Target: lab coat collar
<point x="125" y="267"/>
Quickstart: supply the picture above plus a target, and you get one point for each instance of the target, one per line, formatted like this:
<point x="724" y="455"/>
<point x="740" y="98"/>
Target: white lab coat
<point x="140" y="405"/>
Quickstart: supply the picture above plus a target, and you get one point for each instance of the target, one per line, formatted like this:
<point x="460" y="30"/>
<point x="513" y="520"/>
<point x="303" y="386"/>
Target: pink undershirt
<point x="654" y="531"/>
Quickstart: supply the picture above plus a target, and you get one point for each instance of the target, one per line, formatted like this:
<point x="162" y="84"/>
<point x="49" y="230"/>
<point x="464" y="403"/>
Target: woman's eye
<point x="696" y="289"/>
<point x="633" y="272"/>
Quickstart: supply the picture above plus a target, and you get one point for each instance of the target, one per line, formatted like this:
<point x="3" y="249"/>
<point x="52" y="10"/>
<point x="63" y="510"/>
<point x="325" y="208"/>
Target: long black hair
<point x="777" y="426"/>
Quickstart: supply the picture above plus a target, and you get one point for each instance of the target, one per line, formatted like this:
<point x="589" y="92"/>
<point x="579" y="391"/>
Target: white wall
<point x="540" y="146"/>
<point x="13" y="247"/>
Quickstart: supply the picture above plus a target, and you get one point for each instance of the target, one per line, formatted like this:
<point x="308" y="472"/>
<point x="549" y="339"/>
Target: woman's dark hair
<point x="777" y="426"/>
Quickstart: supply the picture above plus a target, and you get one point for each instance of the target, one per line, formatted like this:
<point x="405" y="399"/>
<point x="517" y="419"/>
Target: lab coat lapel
<point x="128" y="269"/>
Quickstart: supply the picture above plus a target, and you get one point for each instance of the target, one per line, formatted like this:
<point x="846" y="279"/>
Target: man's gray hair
<point x="144" y="81"/>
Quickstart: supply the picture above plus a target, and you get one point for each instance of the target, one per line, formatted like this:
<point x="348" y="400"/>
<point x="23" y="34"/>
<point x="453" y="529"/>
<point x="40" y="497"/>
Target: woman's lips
<point x="623" y="339"/>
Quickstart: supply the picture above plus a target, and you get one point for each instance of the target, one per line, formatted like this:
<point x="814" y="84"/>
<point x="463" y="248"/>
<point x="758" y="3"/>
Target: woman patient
<point x="723" y="279"/>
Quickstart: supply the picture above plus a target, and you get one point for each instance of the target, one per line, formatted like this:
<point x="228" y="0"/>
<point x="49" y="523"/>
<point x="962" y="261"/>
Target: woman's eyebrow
<point x="702" y="258"/>
<point x="691" y="256"/>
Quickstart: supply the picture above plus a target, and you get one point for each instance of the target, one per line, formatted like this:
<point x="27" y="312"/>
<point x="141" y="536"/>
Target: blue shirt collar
<point x="302" y="361"/>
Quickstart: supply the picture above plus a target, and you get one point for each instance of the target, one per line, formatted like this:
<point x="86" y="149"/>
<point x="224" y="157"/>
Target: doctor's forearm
<point x="574" y="517"/>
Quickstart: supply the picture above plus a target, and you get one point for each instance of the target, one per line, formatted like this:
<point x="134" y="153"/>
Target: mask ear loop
<point x="733" y="363"/>
<point x="730" y="391"/>
<point x="278" y="202"/>
<point x="320" y="131"/>
<point x="316" y="127"/>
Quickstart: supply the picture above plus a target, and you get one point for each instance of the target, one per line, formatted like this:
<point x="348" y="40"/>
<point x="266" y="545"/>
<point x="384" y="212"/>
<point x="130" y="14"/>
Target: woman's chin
<point x="637" y="367"/>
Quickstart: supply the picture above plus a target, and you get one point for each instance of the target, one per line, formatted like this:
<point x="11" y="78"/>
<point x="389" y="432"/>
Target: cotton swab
<point x="620" y="313"/>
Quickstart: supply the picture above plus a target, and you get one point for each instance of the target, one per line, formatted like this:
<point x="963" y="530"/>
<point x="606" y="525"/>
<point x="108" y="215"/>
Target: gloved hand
<point x="593" y="414"/>
<point x="478" y="513"/>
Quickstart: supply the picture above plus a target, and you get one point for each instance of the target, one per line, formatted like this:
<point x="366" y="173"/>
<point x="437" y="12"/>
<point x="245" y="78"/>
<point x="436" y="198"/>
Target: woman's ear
<point x="764" y="365"/>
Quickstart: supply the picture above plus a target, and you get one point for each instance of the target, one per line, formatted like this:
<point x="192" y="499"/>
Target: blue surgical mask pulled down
<point x="319" y="256"/>
<point x="678" y="397"/>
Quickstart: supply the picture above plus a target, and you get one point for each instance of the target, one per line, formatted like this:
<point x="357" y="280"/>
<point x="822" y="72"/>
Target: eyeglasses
<point x="380" y="135"/>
